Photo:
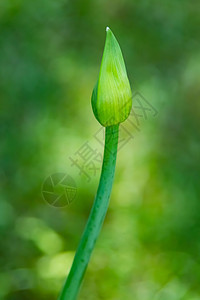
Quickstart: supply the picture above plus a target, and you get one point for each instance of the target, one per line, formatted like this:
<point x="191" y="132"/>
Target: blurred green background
<point x="50" y="53"/>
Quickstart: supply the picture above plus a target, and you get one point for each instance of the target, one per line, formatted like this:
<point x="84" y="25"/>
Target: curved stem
<point x="96" y="217"/>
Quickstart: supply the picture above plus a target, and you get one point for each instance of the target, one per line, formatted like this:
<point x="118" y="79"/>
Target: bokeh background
<point x="50" y="53"/>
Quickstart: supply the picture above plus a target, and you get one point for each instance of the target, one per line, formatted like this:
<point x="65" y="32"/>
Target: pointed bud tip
<point x="107" y="28"/>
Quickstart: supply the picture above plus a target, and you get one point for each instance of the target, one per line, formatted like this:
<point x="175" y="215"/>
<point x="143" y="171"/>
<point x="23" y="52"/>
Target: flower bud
<point x="112" y="96"/>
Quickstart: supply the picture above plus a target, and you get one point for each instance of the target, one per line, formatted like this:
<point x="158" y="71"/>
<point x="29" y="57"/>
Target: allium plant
<point x="111" y="104"/>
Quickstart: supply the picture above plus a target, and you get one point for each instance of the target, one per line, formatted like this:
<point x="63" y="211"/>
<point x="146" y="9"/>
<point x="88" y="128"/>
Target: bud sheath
<point x="112" y="96"/>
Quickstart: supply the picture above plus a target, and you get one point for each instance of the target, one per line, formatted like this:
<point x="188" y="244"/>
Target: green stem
<point x="96" y="217"/>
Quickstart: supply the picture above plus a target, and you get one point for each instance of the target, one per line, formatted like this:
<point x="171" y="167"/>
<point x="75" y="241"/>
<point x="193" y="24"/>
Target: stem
<point x="96" y="217"/>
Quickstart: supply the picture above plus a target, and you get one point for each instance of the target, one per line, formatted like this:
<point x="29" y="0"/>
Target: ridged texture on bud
<point x="112" y="97"/>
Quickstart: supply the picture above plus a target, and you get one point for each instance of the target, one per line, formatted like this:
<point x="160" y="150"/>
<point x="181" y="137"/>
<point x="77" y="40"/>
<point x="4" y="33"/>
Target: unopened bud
<point x="112" y="96"/>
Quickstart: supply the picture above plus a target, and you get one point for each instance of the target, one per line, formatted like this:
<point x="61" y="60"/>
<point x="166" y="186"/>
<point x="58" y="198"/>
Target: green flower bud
<point x="112" y="96"/>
